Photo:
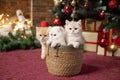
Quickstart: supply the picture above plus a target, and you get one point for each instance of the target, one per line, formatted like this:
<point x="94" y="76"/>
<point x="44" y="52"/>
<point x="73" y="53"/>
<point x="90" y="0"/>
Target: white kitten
<point x="74" y="33"/>
<point x="56" y="36"/>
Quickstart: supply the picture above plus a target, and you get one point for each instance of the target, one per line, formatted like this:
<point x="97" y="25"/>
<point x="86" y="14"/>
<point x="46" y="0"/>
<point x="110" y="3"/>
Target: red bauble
<point x="57" y="21"/>
<point x="67" y="9"/>
<point x="104" y="42"/>
<point x="43" y="24"/>
<point x="102" y="14"/>
<point x="112" y="4"/>
<point x="85" y="5"/>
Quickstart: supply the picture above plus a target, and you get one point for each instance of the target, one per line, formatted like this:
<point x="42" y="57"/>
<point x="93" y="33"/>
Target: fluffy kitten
<point x="56" y="36"/>
<point x="42" y="36"/>
<point x="74" y="33"/>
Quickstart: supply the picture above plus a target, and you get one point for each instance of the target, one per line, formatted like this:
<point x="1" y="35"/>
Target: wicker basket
<point x="64" y="61"/>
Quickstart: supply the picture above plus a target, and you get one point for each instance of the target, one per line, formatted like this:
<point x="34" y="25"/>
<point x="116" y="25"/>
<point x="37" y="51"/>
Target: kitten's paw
<point x="53" y="45"/>
<point x="69" y="44"/>
<point x="76" y="45"/>
<point x="58" y="45"/>
<point x="42" y="56"/>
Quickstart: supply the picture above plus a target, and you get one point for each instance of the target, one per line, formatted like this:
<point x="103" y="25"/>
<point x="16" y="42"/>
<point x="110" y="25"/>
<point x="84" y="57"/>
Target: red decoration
<point x="86" y="5"/>
<point x="104" y="42"/>
<point x="102" y="14"/>
<point x="117" y="41"/>
<point x="103" y="38"/>
<point x="67" y="9"/>
<point x="43" y="23"/>
<point x="112" y="4"/>
<point x="57" y="21"/>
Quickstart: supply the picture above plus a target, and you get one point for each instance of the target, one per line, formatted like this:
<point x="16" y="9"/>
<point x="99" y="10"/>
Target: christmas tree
<point x="83" y="9"/>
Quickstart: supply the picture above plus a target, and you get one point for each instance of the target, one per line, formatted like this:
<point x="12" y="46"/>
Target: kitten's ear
<point x="66" y="22"/>
<point x="60" y="29"/>
<point x="79" y="22"/>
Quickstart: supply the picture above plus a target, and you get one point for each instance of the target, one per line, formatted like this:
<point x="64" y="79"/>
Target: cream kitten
<point x="74" y="33"/>
<point x="42" y="36"/>
<point x="56" y="36"/>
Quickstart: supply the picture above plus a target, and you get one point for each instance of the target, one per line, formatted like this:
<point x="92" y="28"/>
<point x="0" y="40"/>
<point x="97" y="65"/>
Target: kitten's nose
<point x="42" y="38"/>
<point x="72" y="31"/>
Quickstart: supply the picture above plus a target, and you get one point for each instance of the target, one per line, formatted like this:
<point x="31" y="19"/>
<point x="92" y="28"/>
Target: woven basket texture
<point x="64" y="61"/>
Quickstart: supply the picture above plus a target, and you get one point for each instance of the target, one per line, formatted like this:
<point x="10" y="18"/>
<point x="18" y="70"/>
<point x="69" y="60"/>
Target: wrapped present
<point x="106" y="52"/>
<point x="91" y="41"/>
<point x="92" y="25"/>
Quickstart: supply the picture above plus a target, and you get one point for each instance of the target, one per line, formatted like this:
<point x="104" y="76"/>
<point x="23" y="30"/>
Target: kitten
<point x="42" y="36"/>
<point x="56" y="36"/>
<point x="74" y="33"/>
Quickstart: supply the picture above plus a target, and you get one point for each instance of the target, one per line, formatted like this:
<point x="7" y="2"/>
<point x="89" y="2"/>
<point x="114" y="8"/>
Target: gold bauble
<point x="73" y="3"/>
<point x="112" y="47"/>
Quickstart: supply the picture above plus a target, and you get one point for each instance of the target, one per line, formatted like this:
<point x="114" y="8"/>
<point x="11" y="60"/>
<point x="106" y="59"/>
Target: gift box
<point x="91" y="41"/>
<point x="105" y="52"/>
<point x="91" y="25"/>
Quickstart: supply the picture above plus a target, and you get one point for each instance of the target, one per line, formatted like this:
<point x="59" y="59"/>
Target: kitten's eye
<point x="40" y="35"/>
<point x="75" y="28"/>
<point x="70" y="28"/>
<point x="54" y="34"/>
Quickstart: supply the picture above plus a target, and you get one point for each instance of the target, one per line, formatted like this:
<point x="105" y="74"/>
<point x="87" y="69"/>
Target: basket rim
<point x="68" y="48"/>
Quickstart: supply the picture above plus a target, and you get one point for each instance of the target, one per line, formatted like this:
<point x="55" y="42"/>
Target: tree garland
<point x="19" y="41"/>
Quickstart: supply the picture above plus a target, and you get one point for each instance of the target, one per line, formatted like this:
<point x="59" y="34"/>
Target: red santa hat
<point x="43" y="23"/>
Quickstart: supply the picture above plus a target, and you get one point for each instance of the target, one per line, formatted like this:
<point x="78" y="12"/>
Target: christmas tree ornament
<point x="56" y="2"/>
<point x="86" y="5"/>
<point x="67" y="9"/>
<point x="73" y="3"/>
<point x="103" y="39"/>
<point x="112" y="4"/>
<point x="113" y="47"/>
<point x="43" y="23"/>
<point x="102" y="14"/>
<point x="104" y="42"/>
<point x="57" y="21"/>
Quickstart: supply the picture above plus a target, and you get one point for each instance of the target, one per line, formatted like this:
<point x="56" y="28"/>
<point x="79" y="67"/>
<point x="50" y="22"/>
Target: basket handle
<point x="57" y="49"/>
